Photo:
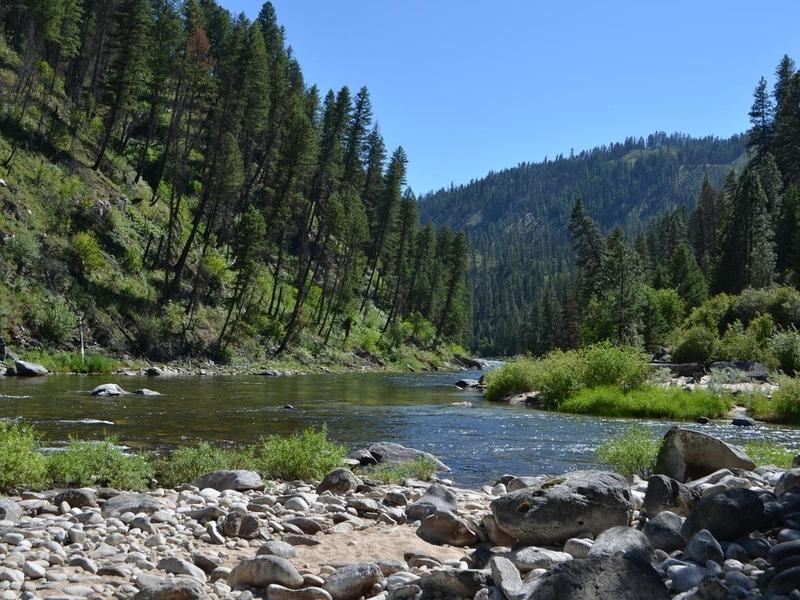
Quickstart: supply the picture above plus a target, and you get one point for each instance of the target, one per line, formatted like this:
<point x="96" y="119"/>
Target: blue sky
<point x="467" y="87"/>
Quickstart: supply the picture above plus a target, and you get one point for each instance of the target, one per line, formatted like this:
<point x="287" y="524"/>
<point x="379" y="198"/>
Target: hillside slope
<point x="516" y="219"/>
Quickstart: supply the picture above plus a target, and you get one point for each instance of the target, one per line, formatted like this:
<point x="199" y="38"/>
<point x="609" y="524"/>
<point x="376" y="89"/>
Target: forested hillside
<point x="517" y="221"/>
<point x="174" y="187"/>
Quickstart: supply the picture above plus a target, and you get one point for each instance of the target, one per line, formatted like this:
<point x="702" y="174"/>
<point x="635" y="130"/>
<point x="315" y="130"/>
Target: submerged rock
<point x="108" y="389"/>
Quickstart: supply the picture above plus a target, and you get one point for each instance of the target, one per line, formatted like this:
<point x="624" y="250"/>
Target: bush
<point x="559" y="375"/>
<point x="87" y="254"/>
<point x="786" y="401"/>
<point x="652" y="403"/>
<point x="309" y="455"/>
<point x="72" y="362"/>
<point x="632" y="453"/>
<point x="767" y="453"/>
<point x="103" y="463"/>
<point x="420" y="468"/>
<point x="696" y="344"/>
<point x="21" y="464"/>
<point x="751" y="343"/>
<point x="53" y="320"/>
<point x="785" y="346"/>
<point x="186" y="464"/>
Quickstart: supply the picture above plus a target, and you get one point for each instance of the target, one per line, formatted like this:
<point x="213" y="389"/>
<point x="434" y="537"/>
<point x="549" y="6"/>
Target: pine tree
<point x="589" y="248"/>
<point x="621" y="287"/>
<point x="759" y="137"/>
<point x="687" y="278"/>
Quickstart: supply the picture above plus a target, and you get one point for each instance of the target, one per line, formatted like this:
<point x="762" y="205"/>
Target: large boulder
<point x="549" y="513"/>
<point x="600" y="579"/>
<point x="443" y="527"/>
<point x="353" y="581"/>
<point x="391" y="453"/>
<point x="108" y="389"/>
<point x="664" y="493"/>
<point x="436" y="498"/>
<point x="175" y="588"/>
<point x="338" y="481"/>
<point x="687" y="454"/>
<point x="664" y="531"/>
<point x="239" y="480"/>
<point x="134" y="503"/>
<point x="10" y="511"/>
<point x="28" y="369"/>
<point x="261" y="571"/>
<point x="744" y="368"/>
<point x="622" y="541"/>
<point x="729" y="515"/>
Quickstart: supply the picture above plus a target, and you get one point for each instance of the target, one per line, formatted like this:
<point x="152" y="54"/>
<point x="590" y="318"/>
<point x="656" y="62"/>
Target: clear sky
<point x="469" y="86"/>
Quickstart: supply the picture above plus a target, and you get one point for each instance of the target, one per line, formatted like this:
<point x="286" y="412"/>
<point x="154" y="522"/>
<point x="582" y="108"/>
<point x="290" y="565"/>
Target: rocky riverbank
<point x="710" y="526"/>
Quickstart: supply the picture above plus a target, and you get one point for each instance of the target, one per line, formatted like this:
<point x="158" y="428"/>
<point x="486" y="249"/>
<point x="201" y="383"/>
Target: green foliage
<point x="695" y="344"/>
<point x="739" y="343"/>
<point x="769" y="453"/>
<point x="647" y="403"/>
<point x="662" y="313"/>
<point x="786" y="401"/>
<point x="53" y="320"/>
<point x="186" y="464"/>
<point x="785" y="346"/>
<point x="21" y="463"/>
<point x="102" y="463"/>
<point x="421" y="469"/>
<point x="559" y="375"/>
<point x="309" y="455"/>
<point x="72" y="362"/>
<point x="631" y="453"/>
<point x="23" y="249"/>
<point x="87" y="254"/>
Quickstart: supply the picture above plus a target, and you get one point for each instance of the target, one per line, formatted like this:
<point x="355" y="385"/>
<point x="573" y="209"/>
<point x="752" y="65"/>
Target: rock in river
<point x="687" y="454"/>
<point x="391" y="453"/>
<point x="29" y="369"/>
<point x="549" y="513"/>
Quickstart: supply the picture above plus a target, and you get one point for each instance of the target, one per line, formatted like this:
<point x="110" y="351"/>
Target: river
<point x="480" y="441"/>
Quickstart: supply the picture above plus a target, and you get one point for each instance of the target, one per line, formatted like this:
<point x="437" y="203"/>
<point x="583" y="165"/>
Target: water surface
<point x="480" y="441"/>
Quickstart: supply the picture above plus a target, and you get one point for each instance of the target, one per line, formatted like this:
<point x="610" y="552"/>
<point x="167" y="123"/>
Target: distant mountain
<point x="516" y="219"/>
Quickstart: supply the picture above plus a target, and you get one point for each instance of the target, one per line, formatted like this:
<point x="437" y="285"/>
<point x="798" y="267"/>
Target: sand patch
<point x="375" y="543"/>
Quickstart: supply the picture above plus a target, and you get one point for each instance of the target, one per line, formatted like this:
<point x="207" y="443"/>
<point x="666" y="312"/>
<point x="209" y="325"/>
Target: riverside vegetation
<point x="172" y="187"/>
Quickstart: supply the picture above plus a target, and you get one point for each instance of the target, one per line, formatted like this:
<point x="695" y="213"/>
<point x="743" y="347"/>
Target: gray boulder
<point x="278" y="592"/>
<point x="444" y="527"/>
<point x="467" y="383"/>
<point x="145" y="392"/>
<point x="179" y="566"/>
<point x="353" y="581"/>
<point x="600" y="579"/>
<point x="29" y="369"/>
<point x="10" y="510"/>
<point x="788" y="481"/>
<point x="550" y="513"/>
<point x="261" y="571"/>
<point x="702" y="548"/>
<point x="135" y="503"/>
<point x="339" y="481"/>
<point x="176" y="588"/>
<point x="745" y="368"/>
<point x="665" y="493"/>
<point x="664" y="531"/>
<point x="623" y="541"/>
<point x="76" y="498"/>
<point x="277" y="548"/>
<point x="391" y="453"/>
<point x="687" y="454"/>
<point x="238" y="480"/>
<point x="108" y="389"/>
<point x="436" y="498"/>
<point x="532" y="557"/>
<point x="729" y="515"/>
<point x="449" y="583"/>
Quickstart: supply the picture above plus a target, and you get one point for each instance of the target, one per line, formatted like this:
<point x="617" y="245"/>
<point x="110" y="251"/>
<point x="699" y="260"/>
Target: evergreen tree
<point x="759" y="137"/>
<point x="687" y="278"/>
<point x="589" y="248"/>
<point x="621" y="288"/>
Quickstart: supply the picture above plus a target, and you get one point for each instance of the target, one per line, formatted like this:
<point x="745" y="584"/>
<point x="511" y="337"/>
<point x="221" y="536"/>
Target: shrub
<point x="420" y="468"/>
<point x="785" y="346"/>
<point x="653" y="403"/>
<point x="186" y="464"/>
<point x="86" y="253"/>
<point x="751" y="343"/>
<point x="21" y="464"/>
<point x="631" y="453"/>
<point x="696" y="344"/>
<point x="711" y="314"/>
<point x="555" y="376"/>
<point x="54" y="320"/>
<point x="72" y="362"/>
<point x="23" y="249"/>
<point x="604" y="364"/>
<point x="786" y="400"/>
<point x="767" y="453"/>
<point x="309" y="455"/>
<point x="84" y="463"/>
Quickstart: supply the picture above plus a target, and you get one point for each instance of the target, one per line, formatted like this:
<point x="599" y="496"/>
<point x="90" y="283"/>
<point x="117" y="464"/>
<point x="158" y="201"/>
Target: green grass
<point x="21" y="464"/>
<point x="560" y="375"/>
<point x="767" y="453"/>
<point x="631" y="453"/>
<point x="71" y="362"/>
<point x="101" y="463"/>
<point x="186" y="464"/>
<point x="309" y="455"/>
<point x="647" y="402"/>
<point x="420" y="468"/>
<point x="786" y="401"/>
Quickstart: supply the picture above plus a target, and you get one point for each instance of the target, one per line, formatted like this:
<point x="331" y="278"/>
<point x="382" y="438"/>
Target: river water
<point x="480" y="441"/>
